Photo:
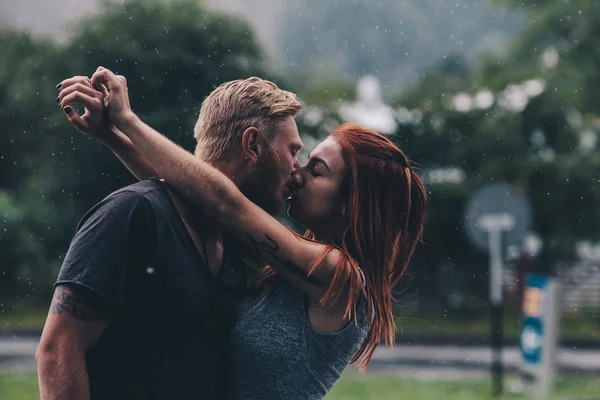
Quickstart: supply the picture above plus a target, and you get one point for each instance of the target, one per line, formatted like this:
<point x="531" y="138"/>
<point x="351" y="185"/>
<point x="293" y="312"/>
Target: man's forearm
<point x="63" y="377"/>
<point x="126" y="151"/>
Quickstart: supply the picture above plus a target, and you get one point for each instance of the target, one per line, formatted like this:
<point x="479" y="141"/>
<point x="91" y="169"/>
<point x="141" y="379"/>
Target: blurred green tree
<point x="530" y="118"/>
<point x="173" y="54"/>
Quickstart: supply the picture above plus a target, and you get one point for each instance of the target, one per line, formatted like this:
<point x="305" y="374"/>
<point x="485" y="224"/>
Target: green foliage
<point x="23" y="104"/>
<point x="173" y="54"/>
<point x="540" y="149"/>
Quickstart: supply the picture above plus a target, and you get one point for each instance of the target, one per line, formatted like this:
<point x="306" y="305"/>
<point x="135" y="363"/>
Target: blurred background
<point x="496" y="101"/>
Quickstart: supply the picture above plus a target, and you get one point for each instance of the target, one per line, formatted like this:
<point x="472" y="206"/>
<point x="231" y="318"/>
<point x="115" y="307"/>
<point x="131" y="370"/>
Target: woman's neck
<point x="326" y="237"/>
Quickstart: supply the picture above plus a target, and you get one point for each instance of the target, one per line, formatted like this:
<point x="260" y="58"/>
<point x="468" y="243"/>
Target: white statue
<point x="369" y="110"/>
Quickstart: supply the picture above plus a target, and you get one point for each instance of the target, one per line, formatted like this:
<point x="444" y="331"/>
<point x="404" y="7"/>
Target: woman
<point x="364" y="208"/>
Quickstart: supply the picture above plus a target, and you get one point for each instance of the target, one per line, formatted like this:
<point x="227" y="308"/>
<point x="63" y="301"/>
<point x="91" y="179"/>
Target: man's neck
<point x="196" y="219"/>
<point x="230" y="168"/>
<point x="205" y="230"/>
<point x="200" y="221"/>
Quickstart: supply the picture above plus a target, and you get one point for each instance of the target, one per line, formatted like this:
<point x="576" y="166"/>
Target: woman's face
<point x="316" y="201"/>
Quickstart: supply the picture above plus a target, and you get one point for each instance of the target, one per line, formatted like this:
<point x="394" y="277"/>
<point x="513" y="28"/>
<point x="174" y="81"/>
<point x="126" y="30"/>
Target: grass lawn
<point x="579" y="326"/>
<point x="354" y="386"/>
<point x="368" y="387"/>
<point x="582" y="326"/>
<point x="19" y="386"/>
<point x="23" y="318"/>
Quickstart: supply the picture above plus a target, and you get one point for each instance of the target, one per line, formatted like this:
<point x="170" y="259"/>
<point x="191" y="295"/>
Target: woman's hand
<point x="116" y="97"/>
<point x="94" y="122"/>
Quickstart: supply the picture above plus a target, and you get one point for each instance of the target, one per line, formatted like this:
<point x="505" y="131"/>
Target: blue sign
<point x="532" y="332"/>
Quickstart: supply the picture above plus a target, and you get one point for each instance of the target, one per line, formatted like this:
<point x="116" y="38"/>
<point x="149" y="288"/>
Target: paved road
<point x="17" y="354"/>
<point x="425" y="362"/>
<point x="456" y="361"/>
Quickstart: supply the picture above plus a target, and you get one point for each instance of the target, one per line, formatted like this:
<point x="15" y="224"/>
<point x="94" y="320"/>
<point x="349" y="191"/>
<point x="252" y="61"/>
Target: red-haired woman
<point x="364" y="208"/>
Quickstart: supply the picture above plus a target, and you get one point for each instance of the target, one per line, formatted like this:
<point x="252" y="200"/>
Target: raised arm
<point x="126" y="152"/>
<point x="217" y="195"/>
<point x="96" y="124"/>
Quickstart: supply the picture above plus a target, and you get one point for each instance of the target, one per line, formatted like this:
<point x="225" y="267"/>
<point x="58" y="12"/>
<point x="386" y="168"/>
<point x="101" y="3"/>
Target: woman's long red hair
<point x="385" y="213"/>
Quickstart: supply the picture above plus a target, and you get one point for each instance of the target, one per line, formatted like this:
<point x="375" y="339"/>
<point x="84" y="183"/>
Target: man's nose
<point x="296" y="177"/>
<point x="296" y="164"/>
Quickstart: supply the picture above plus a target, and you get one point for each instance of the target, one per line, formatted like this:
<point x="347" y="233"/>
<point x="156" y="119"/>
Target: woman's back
<point x="277" y="354"/>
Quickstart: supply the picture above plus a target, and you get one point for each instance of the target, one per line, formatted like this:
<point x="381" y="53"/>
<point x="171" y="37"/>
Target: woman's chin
<point x="293" y="211"/>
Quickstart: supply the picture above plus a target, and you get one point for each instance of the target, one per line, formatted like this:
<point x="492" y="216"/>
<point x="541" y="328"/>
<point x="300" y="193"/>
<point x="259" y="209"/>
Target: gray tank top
<point x="277" y="354"/>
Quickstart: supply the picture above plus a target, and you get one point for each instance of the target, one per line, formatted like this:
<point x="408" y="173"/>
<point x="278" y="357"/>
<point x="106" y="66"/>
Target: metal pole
<point x="496" y="309"/>
<point x="551" y="316"/>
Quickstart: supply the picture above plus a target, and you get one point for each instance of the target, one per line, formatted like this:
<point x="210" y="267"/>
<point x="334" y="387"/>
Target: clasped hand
<point x="105" y="100"/>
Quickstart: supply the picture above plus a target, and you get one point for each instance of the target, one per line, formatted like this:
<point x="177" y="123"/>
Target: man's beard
<point x="262" y="186"/>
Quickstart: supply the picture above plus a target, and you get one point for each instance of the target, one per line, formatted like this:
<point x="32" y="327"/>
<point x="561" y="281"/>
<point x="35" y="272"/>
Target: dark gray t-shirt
<point x="169" y="334"/>
<point x="277" y="354"/>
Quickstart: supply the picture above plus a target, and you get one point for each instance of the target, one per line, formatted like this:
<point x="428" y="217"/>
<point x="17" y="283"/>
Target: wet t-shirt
<point x="168" y="337"/>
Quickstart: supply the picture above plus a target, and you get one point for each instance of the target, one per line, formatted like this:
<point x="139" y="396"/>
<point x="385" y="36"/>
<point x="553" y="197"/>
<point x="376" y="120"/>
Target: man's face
<point x="268" y="185"/>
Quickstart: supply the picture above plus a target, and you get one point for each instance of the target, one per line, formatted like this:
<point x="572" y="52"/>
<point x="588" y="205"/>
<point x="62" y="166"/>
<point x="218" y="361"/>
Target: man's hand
<point x="116" y="98"/>
<point x="94" y="122"/>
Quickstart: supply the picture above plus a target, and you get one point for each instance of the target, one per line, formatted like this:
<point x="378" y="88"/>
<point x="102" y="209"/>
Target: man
<point x="144" y="304"/>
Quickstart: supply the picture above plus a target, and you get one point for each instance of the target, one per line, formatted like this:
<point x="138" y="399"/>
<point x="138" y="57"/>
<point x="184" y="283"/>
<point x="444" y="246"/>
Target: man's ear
<point x="253" y="144"/>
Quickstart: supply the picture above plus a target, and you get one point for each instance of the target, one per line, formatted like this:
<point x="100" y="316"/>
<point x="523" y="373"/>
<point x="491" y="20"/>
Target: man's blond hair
<point x="237" y="105"/>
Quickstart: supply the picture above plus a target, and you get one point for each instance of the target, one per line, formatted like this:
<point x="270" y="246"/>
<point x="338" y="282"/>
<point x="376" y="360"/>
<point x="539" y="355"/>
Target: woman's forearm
<point x="197" y="181"/>
<point x="125" y="150"/>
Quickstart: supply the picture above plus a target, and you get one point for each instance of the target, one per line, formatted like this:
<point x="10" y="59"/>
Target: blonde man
<point x="145" y="299"/>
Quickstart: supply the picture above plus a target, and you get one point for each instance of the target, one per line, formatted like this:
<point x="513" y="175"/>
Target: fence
<point x="580" y="285"/>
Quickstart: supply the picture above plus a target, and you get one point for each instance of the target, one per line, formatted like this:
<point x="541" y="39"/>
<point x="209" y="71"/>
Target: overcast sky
<point x="53" y="17"/>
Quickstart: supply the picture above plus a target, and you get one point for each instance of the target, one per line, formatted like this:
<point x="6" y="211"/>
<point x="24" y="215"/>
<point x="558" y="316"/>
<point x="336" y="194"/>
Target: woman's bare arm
<point x="125" y="150"/>
<point x="208" y="188"/>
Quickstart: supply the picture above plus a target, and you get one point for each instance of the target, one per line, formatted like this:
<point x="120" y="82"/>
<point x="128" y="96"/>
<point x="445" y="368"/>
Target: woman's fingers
<point x="105" y="77"/>
<point x="84" y="80"/>
<point x="93" y="104"/>
<point x="78" y="87"/>
<point x="89" y="102"/>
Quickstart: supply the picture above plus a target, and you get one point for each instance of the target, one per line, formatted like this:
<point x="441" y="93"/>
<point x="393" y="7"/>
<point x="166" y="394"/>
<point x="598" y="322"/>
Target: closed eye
<point x="316" y="160"/>
<point x="312" y="171"/>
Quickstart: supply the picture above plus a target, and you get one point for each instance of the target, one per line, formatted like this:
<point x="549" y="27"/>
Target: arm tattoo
<point x="271" y="248"/>
<point x="66" y="299"/>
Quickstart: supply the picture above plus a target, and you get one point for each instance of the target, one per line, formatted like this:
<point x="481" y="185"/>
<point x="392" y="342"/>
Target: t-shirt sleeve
<point x="117" y="232"/>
